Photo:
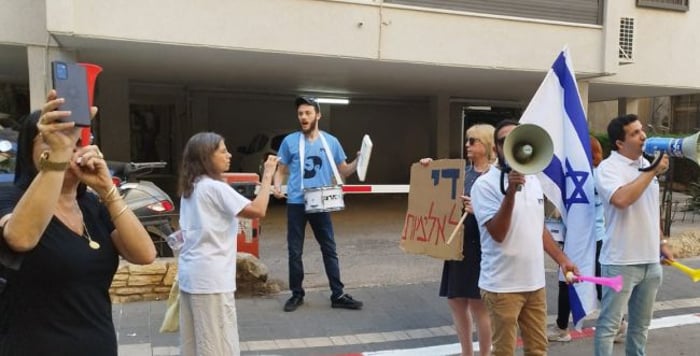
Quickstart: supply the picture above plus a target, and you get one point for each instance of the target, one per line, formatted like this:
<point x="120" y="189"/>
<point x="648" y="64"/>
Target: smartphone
<point x="70" y="82"/>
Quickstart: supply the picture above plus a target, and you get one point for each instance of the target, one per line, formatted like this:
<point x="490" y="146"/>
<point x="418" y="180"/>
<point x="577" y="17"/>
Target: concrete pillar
<point x="325" y="123"/>
<point x="456" y="130"/>
<point x="39" y="65"/>
<point x="113" y="123"/>
<point x="440" y="106"/>
<point x="199" y="110"/>
<point x="627" y="106"/>
<point x="583" y="91"/>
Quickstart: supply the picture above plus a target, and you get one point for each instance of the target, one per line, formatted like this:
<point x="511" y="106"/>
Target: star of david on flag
<point x="568" y="180"/>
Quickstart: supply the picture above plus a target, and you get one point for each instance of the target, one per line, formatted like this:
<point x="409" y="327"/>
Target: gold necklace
<point x="86" y="234"/>
<point x="92" y="243"/>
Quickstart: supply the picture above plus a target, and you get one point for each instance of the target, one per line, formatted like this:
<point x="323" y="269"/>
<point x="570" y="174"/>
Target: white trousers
<point x="208" y="325"/>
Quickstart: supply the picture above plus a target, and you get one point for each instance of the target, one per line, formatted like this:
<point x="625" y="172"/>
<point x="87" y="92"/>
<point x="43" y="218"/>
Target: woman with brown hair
<point x="209" y="211"/>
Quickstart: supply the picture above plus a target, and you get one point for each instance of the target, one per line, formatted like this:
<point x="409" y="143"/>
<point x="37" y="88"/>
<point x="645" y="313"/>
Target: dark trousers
<point x="564" y="308"/>
<point x="322" y="227"/>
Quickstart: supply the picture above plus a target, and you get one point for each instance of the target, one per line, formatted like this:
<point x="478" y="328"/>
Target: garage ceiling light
<point x="479" y="108"/>
<point x="340" y="101"/>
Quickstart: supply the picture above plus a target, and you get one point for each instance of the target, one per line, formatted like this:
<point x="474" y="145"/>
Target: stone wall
<point x="151" y="282"/>
<point x="134" y="283"/>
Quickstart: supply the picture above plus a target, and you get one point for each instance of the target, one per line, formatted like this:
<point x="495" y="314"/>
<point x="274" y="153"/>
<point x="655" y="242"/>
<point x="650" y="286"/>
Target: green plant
<point x="604" y="142"/>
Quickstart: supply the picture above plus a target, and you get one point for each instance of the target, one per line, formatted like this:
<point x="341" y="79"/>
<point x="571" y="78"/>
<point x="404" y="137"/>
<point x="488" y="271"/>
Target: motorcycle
<point x="151" y="205"/>
<point x="8" y="150"/>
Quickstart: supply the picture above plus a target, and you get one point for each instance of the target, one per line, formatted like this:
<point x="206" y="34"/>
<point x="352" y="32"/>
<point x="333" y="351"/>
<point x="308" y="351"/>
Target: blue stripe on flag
<point x="555" y="172"/>
<point x="577" y="309"/>
<point x="572" y="103"/>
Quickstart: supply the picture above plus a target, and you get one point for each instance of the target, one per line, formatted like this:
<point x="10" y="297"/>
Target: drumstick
<point x="461" y="220"/>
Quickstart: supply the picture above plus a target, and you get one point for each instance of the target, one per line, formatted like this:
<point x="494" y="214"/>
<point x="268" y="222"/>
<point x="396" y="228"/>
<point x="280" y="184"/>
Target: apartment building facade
<point x="416" y="72"/>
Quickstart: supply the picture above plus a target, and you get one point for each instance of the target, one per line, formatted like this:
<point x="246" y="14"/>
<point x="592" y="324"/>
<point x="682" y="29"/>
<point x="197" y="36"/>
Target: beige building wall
<point x="666" y="46"/>
<point x="362" y="29"/>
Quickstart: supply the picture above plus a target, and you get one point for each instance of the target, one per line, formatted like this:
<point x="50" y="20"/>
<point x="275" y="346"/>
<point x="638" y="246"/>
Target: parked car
<point x="262" y="145"/>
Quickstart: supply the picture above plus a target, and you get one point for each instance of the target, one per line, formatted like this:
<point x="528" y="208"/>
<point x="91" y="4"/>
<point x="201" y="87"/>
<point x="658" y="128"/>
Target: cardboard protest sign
<point x="434" y="210"/>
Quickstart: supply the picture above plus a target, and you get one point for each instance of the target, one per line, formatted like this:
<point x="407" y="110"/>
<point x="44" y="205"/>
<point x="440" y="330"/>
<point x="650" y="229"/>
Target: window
<point x="677" y="5"/>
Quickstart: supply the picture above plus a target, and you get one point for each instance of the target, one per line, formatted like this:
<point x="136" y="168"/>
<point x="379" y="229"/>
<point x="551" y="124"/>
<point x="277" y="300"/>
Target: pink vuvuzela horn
<point x="613" y="282"/>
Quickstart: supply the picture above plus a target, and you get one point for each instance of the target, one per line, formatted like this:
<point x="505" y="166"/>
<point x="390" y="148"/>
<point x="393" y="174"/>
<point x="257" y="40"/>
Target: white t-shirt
<point x="631" y="234"/>
<point x="207" y="262"/>
<point x="517" y="263"/>
<point x="599" y="213"/>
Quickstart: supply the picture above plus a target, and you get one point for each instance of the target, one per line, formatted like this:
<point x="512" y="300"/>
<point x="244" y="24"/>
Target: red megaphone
<point x="91" y="71"/>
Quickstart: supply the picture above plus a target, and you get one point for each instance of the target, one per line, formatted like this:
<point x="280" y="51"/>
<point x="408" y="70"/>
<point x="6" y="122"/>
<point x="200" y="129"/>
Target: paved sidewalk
<point x="394" y="317"/>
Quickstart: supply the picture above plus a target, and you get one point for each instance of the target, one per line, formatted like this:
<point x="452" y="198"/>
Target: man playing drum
<point x="314" y="161"/>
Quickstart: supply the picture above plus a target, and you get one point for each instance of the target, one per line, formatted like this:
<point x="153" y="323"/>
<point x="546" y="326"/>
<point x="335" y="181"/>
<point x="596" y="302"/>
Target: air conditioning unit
<point x="626" y="41"/>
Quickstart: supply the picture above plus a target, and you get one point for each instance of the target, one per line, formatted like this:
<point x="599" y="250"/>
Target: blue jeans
<point x="322" y="227"/>
<point x="641" y="282"/>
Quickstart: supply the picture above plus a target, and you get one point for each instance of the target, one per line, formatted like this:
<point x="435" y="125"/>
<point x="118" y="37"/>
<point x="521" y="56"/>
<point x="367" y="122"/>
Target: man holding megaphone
<point x="513" y="238"/>
<point x="633" y="240"/>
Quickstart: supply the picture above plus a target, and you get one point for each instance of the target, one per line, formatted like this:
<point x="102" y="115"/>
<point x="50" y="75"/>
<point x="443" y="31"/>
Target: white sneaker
<point x="559" y="335"/>
<point x="621" y="333"/>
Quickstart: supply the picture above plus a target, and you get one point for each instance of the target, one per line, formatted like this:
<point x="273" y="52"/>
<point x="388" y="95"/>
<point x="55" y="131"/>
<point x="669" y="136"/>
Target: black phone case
<point x="70" y="82"/>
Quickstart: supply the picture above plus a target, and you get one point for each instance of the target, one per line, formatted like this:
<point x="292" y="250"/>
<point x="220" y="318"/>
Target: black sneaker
<point x="293" y="303"/>
<point x="345" y="301"/>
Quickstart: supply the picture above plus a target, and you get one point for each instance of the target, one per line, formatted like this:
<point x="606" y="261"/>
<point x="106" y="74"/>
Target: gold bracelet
<point x="114" y="219"/>
<point x="109" y="194"/>
<point x="107" y="202"/>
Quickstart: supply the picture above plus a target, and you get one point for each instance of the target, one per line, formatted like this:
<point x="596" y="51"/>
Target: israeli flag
<point x="568" y="180"/>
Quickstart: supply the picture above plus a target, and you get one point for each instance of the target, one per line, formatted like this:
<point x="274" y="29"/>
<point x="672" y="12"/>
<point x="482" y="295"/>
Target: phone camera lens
<point x="62" y="71"/>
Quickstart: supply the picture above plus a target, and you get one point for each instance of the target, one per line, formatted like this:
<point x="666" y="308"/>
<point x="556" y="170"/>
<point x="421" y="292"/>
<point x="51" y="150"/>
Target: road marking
<point x="455" y="349"/>
<point x="411" y="334"/>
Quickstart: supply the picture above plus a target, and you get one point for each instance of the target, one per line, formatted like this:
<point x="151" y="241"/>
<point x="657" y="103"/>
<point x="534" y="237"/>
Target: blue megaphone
<point x="675" y="147"/>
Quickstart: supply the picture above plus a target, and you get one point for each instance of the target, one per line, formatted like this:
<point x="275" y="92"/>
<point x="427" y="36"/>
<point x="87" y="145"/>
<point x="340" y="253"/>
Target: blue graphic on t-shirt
<point x="312" y="165"/>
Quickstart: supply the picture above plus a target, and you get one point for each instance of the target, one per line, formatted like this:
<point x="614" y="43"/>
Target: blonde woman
<point x="460" y="279"/>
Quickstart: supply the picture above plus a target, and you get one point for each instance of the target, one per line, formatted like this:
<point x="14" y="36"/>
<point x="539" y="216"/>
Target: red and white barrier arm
<point x="375" y="188"/>
<point x="365" y="188"/>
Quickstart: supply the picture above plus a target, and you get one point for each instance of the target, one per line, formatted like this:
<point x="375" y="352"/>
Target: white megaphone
<point x="528" y="149"/>
<point x="675" y="147"/>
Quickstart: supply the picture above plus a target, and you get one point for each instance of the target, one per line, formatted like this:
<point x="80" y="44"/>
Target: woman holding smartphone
<point x="68" y="240"/>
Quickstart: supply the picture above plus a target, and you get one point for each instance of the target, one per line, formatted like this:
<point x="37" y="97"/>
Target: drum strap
<point x="302" y="158"/>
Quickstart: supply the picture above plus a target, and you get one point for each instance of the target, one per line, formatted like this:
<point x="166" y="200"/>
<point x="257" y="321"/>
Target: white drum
<point x="323" y="199"/>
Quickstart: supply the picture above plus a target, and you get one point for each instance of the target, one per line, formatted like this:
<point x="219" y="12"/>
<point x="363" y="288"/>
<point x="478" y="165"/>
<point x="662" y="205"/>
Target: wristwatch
<point x="46" y="165"/>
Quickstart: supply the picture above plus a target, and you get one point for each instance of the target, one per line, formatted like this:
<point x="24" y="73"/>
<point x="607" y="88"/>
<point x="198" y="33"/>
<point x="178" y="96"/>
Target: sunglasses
<point x="472" y="141"/>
